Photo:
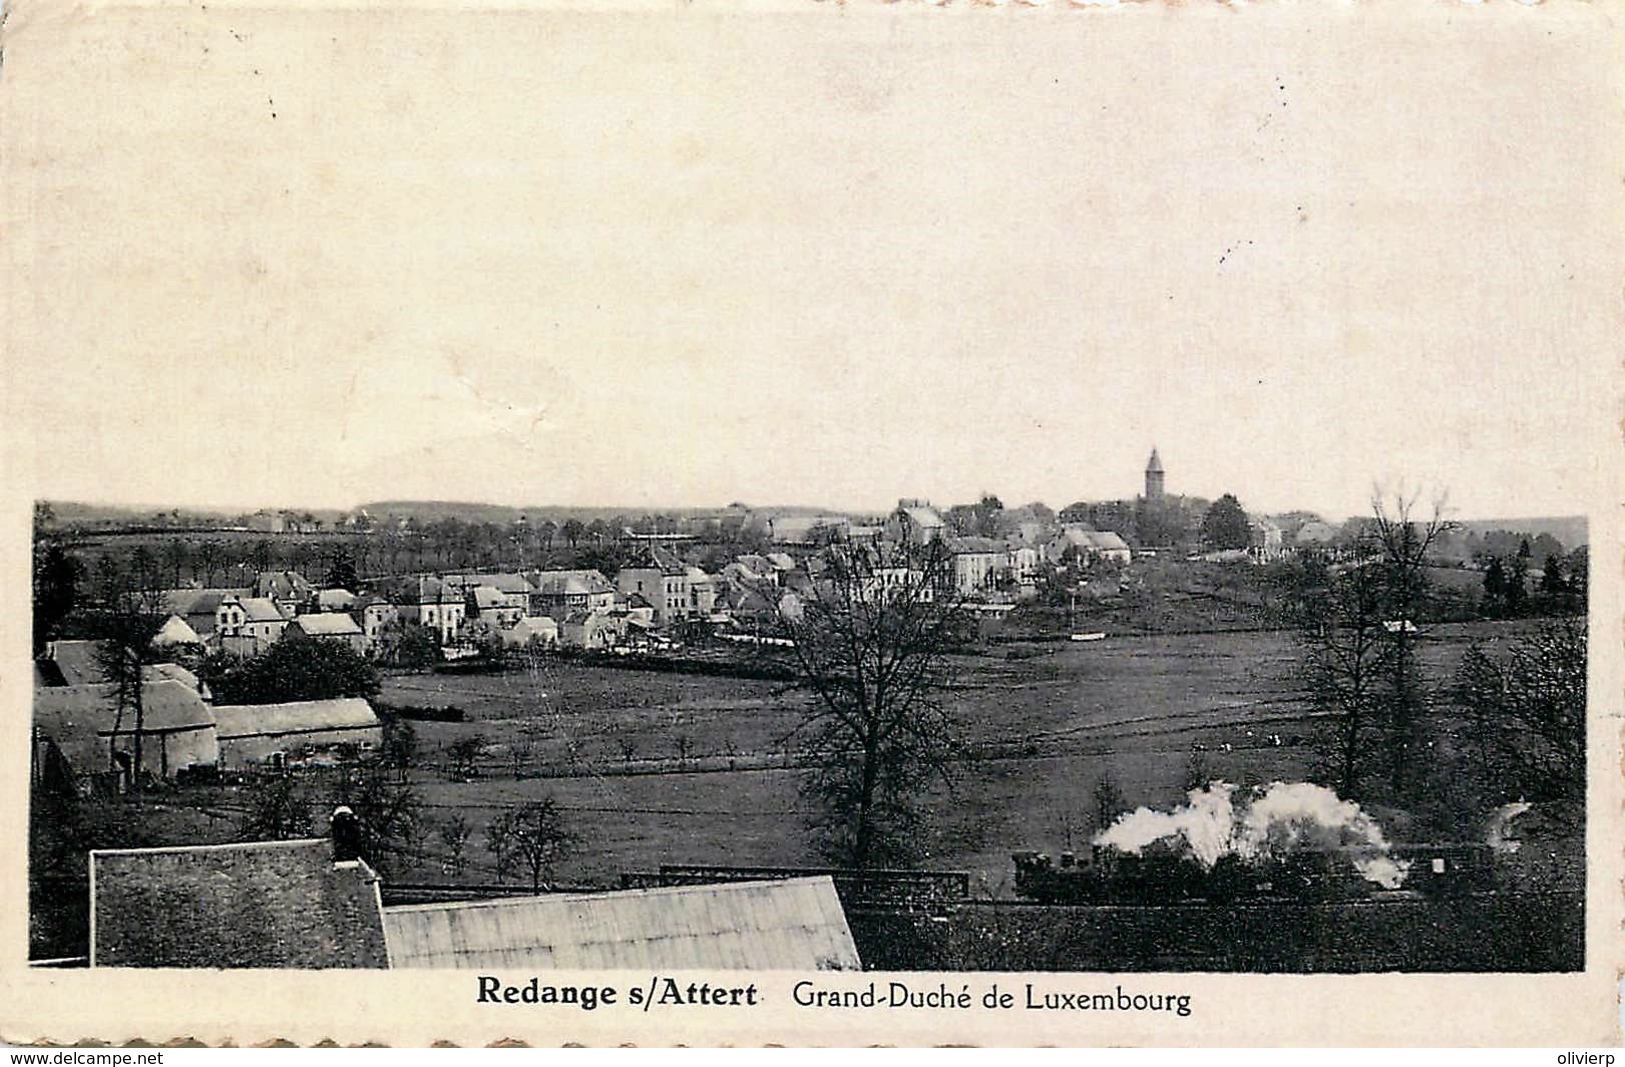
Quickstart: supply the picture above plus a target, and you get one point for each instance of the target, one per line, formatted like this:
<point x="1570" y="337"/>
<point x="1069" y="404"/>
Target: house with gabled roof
<point x="560" y="594"/>
<point x="663" y="585"/>
<point x="915" y="522"/>
<point x="1088" y="543"/>
<point x="977" y="562"/>
<point x="430" y="602"/>
<point x="199" y="607"/>
<point x="495" y="606"/>
<point x="291" y="591"/>
<point x="373" y="613"/>
<point x="328" y="626"/>
<point x="248" y="626"/>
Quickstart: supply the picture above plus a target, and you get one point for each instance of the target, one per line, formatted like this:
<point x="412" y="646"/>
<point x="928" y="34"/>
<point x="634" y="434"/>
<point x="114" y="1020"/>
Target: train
<point x="1164" y="874"/>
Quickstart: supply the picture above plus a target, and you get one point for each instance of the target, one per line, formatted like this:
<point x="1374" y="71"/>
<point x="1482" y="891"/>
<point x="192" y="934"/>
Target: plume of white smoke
<point x="1284" y="817"/>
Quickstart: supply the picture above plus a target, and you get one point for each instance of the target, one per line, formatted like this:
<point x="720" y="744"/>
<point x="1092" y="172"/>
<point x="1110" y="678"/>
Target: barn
<point x="252" y="734"/>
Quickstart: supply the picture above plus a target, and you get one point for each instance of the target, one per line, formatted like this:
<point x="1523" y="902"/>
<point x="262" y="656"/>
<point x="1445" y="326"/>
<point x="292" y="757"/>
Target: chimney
<point x="346" y="835"/>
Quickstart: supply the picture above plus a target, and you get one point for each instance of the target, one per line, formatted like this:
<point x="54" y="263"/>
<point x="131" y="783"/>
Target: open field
<point x="670" y="768"/>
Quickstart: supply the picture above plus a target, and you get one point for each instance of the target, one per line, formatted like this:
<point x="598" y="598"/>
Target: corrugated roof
<point x="261" y="904"/>
<point x="794" y="924"/>
<point x="304" y="716"/>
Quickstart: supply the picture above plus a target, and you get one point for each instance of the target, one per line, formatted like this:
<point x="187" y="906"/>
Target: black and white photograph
<point x="796" y="509"/>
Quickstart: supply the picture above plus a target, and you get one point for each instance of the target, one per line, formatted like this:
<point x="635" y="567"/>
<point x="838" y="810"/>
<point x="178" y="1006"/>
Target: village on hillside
<point x="957" y="737"/>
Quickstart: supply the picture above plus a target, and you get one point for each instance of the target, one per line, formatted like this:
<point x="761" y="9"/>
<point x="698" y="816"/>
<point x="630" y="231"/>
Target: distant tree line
<point x="1508" y="725"/>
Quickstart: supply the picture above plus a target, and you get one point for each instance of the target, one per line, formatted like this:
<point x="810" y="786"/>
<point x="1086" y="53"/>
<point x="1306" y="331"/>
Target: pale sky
<point x="834" y="256"/>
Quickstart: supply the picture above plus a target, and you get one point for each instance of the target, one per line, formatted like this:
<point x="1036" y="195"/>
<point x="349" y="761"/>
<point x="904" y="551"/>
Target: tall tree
<point x="57" y="575"/>
<point x="1552" y="582"/>
<point x="870" y="640"/>
<point x="132" y="614"/>
<point x="293" y="669"/>
<point x="176" y="553"/>
<point x="1495" y="587"/>
<point x="341" y="571"/>
<point x="206" y="561"/>
<point x="1225" y="525"/>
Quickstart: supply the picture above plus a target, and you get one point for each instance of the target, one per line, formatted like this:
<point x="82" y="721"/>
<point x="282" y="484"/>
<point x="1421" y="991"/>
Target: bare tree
<point x="454" y="834"/>
<point x="870" y="640"/>
<point x="206" y="561"/>
<point x="535" y="835"/>
<point x="1527" y="714"/>
<point x="463" y="756"/>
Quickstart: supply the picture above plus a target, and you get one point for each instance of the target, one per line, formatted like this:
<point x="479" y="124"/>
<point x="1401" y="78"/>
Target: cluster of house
<point x="583" y="608"/>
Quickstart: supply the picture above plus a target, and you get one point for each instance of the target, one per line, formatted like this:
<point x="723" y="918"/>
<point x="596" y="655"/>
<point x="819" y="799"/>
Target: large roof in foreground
<point x="261" y="904"/>
<point x="793" y="924"/>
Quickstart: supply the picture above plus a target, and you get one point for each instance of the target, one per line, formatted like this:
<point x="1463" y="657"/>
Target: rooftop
<point x="795" y="924"/>
<point x="260" y="904"/>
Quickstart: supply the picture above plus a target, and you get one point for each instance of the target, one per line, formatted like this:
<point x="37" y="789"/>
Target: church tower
<point x="1153" y="477"/>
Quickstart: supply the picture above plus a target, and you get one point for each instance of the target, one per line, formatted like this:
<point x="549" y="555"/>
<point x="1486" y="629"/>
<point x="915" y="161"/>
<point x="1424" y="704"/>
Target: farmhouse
<point x="197" y="607"/>
<point x="526" y="632"/>
<point x="83" y="725"/>
<point x="495" y="606"/>
<point x="373" y="613"/>
<point x="328" y="626"/>
<point x="251" y="734"/>
<point x="248" y="626"/>
<point x="794" y="924"/>
<point x="977" y="562"/>
<point x="432" y="603"/>
<point x="559" y="594"/>
<point x="1088" y="544"/>
<point x="289" y="904"/>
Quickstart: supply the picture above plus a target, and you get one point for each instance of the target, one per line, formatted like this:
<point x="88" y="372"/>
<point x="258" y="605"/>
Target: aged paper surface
<point x="311" y="254"/>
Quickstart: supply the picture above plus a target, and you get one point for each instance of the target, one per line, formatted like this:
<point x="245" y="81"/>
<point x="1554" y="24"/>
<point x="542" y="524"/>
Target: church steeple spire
<point x="1153" y="476"/>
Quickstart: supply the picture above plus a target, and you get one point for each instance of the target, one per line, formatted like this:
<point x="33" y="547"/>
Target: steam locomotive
<point x="1164" y="874"/>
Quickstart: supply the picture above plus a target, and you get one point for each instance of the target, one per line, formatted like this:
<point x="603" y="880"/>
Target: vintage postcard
<point x="808" y="522"/>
